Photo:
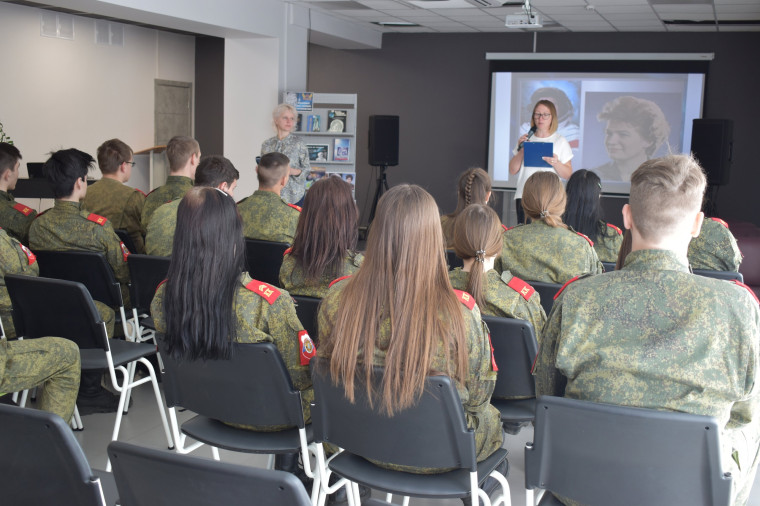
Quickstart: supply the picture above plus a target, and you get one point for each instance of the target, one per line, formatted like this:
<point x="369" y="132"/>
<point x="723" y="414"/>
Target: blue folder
<point x="534" y="151"/>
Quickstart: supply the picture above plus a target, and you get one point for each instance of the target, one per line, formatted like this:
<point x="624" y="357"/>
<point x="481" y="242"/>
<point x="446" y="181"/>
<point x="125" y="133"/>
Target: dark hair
<point x="271" y="168"/>
<point x="584" y="207"/>
<point x="214" y="170"/>
<point x="625" y="249"/>
<point x="111" y="154"/>
<point x="179" y="150"/>
<point x="327" y="229"/>
<point x="9" y="155"/>
<point x="64" y="167"/>
<point x="208" y="257"/>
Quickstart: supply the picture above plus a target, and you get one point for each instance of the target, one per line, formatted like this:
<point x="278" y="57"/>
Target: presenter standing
<point x="544" y="123"/>
<point x="293" y="147"/>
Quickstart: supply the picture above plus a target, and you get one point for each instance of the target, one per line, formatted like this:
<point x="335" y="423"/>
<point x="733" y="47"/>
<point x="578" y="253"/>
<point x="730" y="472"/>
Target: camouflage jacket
<point x="175" y="188"/>
<point x="715" y="248"/>
<point x="294" y="148"/>
<point x="160" y="236"/>
<point x="268" y="218"/>
<point x="121" y="204"/>
<point x="652" y="335"/>
<point x="15" y="218"/>
<point x="539" y="252"/>
<point x="15" y="258"/>
<point x="506" y="296"/>
<point x="607" y="245"/>
<point x="293" y="280"/>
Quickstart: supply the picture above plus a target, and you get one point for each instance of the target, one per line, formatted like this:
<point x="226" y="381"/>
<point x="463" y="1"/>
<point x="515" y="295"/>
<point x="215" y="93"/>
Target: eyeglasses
<point x="131" y="163"/>
<point x="543" y="116"/>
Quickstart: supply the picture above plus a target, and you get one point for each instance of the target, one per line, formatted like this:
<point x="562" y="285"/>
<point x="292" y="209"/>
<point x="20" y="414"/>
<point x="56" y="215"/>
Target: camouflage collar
<point x="67" y="205"/>
<point x="655" y="259"/>
<point x="6" y="196"/>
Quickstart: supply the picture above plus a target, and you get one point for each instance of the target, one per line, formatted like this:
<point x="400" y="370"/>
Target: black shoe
<point x="490" y="484"/>
<point x="340" y="496"/>
<point x="100" y="401"/>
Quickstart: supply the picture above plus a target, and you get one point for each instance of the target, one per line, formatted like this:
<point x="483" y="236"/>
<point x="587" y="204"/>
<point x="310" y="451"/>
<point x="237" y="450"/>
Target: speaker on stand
<point x="383" y="152"/>
<point x="712" y="144"/>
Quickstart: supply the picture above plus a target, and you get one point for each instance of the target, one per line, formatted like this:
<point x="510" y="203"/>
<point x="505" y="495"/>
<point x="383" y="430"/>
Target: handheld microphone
<point x="530" y="134"/>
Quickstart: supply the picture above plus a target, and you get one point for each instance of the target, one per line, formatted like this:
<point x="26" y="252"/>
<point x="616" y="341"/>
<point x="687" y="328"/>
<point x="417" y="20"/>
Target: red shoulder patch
<point x="306" y="348"/>
<point x="267" y="291"/>
<point x="124" y="251"/>
<point x="297" y="208"/>
<point x="739" y="283"/>
<point x="720" y="221"/>
<point x="586" y="237"/>
<point x="31" y="257"/>
<point x="337" y="279"/>
<point x="143" y="193"/>
<point x="465" y="298"/>
<point x="96" y="218"/>
<point x="521" y="287"/>
<point x="616" y="229"/>
<point x="25" y="210"/>
<point x="287" y="251"/>
<point x="564" y="286"/>
<point x="506" y="227"/>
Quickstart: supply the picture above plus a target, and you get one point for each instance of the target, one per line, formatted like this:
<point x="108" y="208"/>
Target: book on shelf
<point x="299" y="122"/>
<point x="336" y="120"/>
<point x="342" y="150"/>
<point x="302" y="101"/>
<point x="317" y="152"/>
<point x="314" y="175"/>
<point x="312" y="123"/>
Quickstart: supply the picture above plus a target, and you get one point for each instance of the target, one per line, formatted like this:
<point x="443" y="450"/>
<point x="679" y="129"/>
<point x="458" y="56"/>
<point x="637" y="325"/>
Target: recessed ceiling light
<point x="394" y="23"/>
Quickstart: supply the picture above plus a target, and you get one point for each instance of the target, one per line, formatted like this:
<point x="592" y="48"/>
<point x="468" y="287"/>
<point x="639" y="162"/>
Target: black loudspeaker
<point x="383" y="140"/>
<point x="712" y="142"/>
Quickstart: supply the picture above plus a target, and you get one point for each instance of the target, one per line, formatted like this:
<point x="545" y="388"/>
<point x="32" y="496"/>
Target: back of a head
<point x="473" y="188"/>
<point x="179" y="150"/>
<point x="64" y="167"/>
<point x="9" y="155"/>
<point x="665" y="194"/>
<point x="208" y="257"/>
<point x="544" y="198"/>
<point x="327" y="228"/>
<point x="584" y="207"/>
<point x="214" y="170"/>
<point x="477" y="234"/>
<point x="271" y="169"/>
<point x="111" y="154"/>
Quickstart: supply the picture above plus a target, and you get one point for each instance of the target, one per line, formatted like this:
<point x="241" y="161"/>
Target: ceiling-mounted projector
<point x="523" y="20"/>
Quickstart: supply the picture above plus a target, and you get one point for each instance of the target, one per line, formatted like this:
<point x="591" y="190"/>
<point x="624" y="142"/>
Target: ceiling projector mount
<point x="525" y="19"/>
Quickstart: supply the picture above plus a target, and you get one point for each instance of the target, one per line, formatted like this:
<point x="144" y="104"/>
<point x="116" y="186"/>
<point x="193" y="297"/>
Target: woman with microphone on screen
<point x="543" y="125"/>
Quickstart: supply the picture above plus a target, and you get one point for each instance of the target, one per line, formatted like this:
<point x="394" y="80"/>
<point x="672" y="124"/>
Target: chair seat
<point x="451" y="484"/>
<point x="122" y="352"/>
<point x="515" y="410"/>
<point x="147" y="323"/>
<point x="219" y="434"/>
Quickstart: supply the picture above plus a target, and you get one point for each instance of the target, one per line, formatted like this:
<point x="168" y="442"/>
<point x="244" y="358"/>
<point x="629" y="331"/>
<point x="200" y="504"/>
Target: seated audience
<point x="715" y="248"/>
<point x="214" y="172"/>
<point x="15" y="258"/>
<point x="652" y="335"/>
<point x="324" y="248"/>
<point x="265" y="215"/>
<point x="545" y="249"/>
<point x="474" y="187"/>
<point x="15" y="218"/>
<point x="584" y="214"/>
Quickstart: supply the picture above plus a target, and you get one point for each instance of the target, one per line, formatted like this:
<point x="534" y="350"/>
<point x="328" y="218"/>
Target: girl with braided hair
<point x="474" y="187"/>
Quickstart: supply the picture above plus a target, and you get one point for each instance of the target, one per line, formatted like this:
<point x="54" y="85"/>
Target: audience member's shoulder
<point x="515" y="284"/>
<point x="578" y="283"/>
<point x="261" y="290"/>
<point x="582" y="236"/>
<point x="612" y="229"/>
<point x="514" y="227"/>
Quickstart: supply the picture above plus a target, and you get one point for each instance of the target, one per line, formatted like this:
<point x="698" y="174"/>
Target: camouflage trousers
<point x="49" y="362"/>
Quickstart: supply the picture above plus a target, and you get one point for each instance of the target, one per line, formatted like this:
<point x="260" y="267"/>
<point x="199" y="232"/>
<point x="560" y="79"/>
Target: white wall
<point x="59" y="93"/>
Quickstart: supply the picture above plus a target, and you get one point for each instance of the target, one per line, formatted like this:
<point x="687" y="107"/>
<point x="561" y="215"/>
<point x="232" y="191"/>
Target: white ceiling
<point x="451" y="16"/>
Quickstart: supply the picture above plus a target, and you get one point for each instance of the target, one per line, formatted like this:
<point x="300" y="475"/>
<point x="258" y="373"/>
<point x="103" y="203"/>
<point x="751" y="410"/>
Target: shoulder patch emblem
<point x="265" y="290"/>
<point x="306" y="347"/>
<point x="96" y="218"/>
<point x="465" y="298"/>
<point x="29" y="255"/>
<point x="124" y="251"/>
<point x="616" y="229"/>
<point x="521" y="287"/>
<point x="337" y="279"/>
<point x="297" y="208"/>
<point x="25" y="210"/>
<point x="565" y="286"/>
<point x="585" y="237"/>
<point x="287" y="251"/>
<point x="739" y="283"/>
<point x="720" y="221"/>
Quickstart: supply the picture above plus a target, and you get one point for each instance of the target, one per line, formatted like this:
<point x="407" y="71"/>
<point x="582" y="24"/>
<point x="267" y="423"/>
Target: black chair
<point x="431" y="434"/>
<point x="453" y="260"/>
<point x="547" y="291"/>
<point x="126" y="239"/>
<point x="145" y="274"/>
<point x="605" y="454"/>
<point x="514" y="349"/>
<point x="148" y="477"/>
<point x="307" y="309"/>
<point x="727" y="275"/>
<point x="42" y="463"/>
<point x="264" y="259"/>
<point x="608" y="266"/>
<point x="55" y="307"/>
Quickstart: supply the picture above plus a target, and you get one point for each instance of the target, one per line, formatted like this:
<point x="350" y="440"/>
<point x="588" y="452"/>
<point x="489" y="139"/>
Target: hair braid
<point x="468" y="188"/>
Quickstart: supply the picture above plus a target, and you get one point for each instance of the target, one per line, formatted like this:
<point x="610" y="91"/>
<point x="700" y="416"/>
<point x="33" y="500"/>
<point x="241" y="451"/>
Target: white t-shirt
<point x="561" y="148"/>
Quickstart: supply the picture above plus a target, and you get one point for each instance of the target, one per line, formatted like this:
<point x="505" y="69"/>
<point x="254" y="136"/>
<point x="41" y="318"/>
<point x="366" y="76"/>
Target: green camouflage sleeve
<point x="285" y="327"/>
<point x="133" y="218"/>
<point x="482" y="377"/>
<point x="114" y="253"/>
<point x="549" y="381"/>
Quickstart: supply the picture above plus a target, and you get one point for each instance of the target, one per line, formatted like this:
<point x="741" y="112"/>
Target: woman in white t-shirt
<point x="544" y="120"/>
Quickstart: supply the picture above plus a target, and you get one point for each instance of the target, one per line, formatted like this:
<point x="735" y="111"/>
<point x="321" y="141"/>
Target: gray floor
<point x="142" y="426"/>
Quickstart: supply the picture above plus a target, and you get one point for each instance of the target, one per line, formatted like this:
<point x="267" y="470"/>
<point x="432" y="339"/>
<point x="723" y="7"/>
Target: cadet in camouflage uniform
<point x="715" y="248"/>
<point x="265" y="215"/>
<point x="293" y="147"/>
<point x="607" y="246"/>
<point x="184" y="154"/>
<point x="292" y="277"/>
<point x="15" y="217"/>
<point x="110" y="197"/>
<point x="15" y="258"/>
<point x="653" y="335"/>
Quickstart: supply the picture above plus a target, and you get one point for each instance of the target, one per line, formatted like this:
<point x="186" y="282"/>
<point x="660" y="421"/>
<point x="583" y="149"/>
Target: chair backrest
<point x="126" y="239"/>
<point x="145" y="274"/>
<point x="605" y="454"/>
<point x="264" y="259"/>
<point x="514" y="348"/>
<point x="216" y="388"/>
<point x="727" y="275"/>
<point x="148" y="477"/>
<point x="55" y="307"/>
<point x="547" y="292"/>
<point x="87" y="267"/>
<point x="608" y="266"/>
<point x="42" y="462"/>
<point x="453" y="260"/>
<point x="306" y="310"/>
<point x="431" y="434"/>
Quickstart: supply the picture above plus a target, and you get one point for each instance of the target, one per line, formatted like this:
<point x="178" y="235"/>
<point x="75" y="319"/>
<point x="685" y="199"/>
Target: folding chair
<point x="264" y="259"/>
<point x="605" y="454"/>
<point x="42" y="463"/>
<point x="306" y="310"/>
<point x="56" y="307"/>
<point x="727" y="275"/>
<point x="608" y="266"/>
<point x="145" y="274"/>
<point x="514" y="349"/>
<point x="431" y="434"/>
<point x="148" y="477"/>
<point x="453" y="260"/>
<point x="547" y="291"/>
<point x="126" y="239"/>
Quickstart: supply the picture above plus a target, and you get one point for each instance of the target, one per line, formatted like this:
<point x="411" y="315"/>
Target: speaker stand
<point x="382" y="187"/>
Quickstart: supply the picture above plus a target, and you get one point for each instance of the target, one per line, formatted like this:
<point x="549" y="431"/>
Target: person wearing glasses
<point x="544" y="121"/>
<point x="112" y="198"/>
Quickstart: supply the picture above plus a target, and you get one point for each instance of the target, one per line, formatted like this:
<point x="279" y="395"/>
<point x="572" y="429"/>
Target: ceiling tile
<point x="624" y="9"/>
<point x="641" y="29"/>
<point x="691" y="28"/>
<point x="739" y="28"/>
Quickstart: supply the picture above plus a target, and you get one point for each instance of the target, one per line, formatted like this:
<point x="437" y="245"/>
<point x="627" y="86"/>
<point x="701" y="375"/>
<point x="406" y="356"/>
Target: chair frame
<point x="146" y="272"/>
<point x="261" y="258"/>
<point x="725" y="275"/>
